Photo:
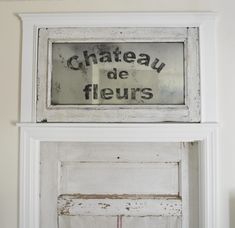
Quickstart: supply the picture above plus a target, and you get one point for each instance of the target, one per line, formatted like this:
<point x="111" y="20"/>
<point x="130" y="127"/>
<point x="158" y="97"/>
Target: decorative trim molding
<point x="204" y="20"/>
<point x="33" y="134"/>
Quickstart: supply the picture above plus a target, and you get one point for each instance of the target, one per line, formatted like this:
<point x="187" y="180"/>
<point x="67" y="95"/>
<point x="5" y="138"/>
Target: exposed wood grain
<point x="118" y="196"/>
<point x="140" y="207"/>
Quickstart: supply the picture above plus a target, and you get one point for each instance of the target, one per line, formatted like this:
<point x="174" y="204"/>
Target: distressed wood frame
<point x="57" y="158"/>
<point x="204" y="21"/>
<point x="33" y="134"/>
<point x="187" y="112"/>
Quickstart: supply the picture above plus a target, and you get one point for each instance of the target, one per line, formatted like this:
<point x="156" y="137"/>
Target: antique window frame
<point x="187" y="112"/>
<point x="204" y="21"/>
<point x="32" y="133"/>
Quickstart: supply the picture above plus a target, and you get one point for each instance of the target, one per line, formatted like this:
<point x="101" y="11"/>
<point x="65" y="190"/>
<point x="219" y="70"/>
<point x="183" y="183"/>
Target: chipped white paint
<point x="109" y="133"/>
<point x="204" y="21"/>
<point x="187" y="111"/>
<point x="100" y="179"/>
<point x="111" y="207"/>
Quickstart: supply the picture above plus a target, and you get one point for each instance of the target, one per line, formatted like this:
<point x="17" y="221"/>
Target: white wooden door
<point x="119" y="185"/>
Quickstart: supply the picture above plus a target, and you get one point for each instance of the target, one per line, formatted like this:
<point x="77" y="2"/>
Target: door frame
<point x="33" y="134"/>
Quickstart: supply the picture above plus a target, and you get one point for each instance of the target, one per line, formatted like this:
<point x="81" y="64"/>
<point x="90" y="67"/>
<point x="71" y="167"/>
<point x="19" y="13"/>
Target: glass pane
<point x="117" y="73"/>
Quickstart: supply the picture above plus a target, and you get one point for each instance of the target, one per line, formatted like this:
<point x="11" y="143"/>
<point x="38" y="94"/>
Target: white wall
<point x="10" y="57"/>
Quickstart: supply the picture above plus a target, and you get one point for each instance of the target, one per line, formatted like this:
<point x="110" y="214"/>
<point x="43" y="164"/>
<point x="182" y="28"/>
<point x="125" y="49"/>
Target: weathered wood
<point x="95" y="172"/>
<point x="151" y="222"/>
<point x="188" y="112"/>
<point x="71" y="205"/>
<point x="184" y="184"/>
<point x="48" y="185"/>
<point x="87" y="222"/>
<point x="193" y="187"/>
<point x="120" y="152"/>
<point x="119" y="222"/>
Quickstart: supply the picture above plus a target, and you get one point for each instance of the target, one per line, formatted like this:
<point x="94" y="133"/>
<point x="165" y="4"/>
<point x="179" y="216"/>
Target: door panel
<point x="119" y="178"/>
<point x="119" y="185"/>
<point x="118" y="152"/>
<point x="87" y="222"/>
<point x="151" y="222"/>
<point x="119" y="222"/>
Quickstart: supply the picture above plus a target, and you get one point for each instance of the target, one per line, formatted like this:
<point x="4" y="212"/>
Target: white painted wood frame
<point x="203" y="20"/>
<point x="33" y="134"/>
<point x="188" y="111"/>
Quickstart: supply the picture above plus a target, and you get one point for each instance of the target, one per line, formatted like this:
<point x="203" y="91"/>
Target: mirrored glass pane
<point x="117" y="73"/>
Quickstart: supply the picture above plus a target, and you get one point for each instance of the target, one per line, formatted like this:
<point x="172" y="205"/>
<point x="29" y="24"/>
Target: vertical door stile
<point x="184" y="185"/>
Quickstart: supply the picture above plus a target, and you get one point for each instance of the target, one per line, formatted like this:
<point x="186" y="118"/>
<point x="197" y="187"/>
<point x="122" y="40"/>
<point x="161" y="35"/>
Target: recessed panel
<point x="87" y="222"/>
<point x="151" y="222"/>
<point x="119" y="178"/>
<point x="119" y="222"/>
